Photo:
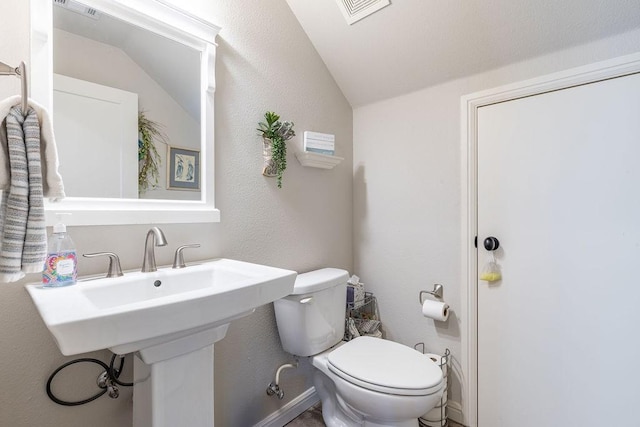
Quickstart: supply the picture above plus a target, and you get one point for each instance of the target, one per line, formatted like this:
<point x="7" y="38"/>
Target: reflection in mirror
<point x="195" y="39"/>
<point x="106" y="72"/>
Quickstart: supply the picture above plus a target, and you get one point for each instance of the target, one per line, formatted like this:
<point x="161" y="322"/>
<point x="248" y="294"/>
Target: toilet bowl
<point x="367" y="381"/>
<point x="392" y="387"/>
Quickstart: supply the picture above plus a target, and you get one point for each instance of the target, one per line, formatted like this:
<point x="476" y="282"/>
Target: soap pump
<point x="61" y="265"/>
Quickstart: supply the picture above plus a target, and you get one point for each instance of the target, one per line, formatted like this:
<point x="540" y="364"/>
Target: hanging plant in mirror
<point x="148" y="158"/>
<point x="274" y="149"/>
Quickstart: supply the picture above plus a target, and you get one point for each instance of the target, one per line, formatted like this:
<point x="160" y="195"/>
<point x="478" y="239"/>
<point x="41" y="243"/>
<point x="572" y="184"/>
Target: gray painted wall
<point x="305" y="225"/>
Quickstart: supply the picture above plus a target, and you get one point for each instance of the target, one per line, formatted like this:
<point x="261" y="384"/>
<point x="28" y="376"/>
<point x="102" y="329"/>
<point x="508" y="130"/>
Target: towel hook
<point x="21" y="73"/>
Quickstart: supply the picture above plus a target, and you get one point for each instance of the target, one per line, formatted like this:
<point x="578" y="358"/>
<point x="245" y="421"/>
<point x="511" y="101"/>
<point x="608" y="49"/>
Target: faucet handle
<point x="114" y="269"/>
<point x="178" y="259"/>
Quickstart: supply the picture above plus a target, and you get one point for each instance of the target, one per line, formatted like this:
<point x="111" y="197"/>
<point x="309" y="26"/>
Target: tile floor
<point x="312" y="417"/>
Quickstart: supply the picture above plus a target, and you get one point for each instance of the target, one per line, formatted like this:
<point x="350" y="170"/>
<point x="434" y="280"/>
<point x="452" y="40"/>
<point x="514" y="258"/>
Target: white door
<point x="559" y="187"/>
<point x="96" y="128"/>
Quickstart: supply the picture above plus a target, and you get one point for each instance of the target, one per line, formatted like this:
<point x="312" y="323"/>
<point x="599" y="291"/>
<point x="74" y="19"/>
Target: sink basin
<point x="164" y="285"/>
<point x="143" y="310"/>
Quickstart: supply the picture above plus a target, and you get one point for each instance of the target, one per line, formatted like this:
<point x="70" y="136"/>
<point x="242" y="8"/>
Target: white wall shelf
<point x="315" y="160"/>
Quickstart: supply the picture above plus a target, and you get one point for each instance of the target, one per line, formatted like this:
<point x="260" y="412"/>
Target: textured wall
<point x="407" y="192"/>
<point x="264" y="62"/>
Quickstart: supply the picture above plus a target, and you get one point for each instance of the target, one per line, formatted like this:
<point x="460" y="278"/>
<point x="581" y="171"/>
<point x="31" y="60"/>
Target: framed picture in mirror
<point x="183" y="168"/>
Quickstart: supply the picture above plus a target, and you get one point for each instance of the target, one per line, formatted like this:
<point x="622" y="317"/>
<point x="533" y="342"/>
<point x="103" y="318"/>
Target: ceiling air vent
<point x="355" y="10"/>
<point x="77" y="7"/>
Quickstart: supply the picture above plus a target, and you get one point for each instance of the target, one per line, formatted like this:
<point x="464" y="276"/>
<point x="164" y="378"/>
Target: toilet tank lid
<point x="318" y="280"/>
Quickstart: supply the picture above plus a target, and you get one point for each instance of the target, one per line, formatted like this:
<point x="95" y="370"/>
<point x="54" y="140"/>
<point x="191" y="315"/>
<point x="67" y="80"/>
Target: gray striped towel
<point x="22" y="225"/>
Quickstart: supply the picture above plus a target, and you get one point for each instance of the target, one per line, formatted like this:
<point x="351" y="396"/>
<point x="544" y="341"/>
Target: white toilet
<point x="367" y="381"/>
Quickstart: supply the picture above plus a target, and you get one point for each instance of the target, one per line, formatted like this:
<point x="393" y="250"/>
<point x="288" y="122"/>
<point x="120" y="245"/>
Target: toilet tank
<point x="312" y="318"/>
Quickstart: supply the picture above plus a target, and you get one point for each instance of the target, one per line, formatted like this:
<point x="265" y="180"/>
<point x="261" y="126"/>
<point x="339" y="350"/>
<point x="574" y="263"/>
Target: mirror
<point x="98" y="64"/>
<point x="107" y="72"/>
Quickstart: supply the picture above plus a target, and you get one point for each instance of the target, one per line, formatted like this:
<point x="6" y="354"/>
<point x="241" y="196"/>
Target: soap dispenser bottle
<point x="61" y="265"/>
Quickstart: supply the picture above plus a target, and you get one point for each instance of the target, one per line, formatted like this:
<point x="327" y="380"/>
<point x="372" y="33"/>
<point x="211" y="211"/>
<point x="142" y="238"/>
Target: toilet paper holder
<point x="438" y="292"/>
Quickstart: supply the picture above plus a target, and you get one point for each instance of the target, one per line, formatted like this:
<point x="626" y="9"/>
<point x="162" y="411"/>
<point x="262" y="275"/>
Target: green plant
<point x="278" y="132"/>
<point x="148" y="158"/>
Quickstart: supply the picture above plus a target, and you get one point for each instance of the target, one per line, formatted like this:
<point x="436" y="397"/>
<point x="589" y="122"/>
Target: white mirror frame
<point x="171" y="22"/>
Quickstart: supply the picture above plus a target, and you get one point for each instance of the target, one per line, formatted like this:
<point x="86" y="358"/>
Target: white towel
<point x="52" y="181"/>
<point x="23" y="233"/>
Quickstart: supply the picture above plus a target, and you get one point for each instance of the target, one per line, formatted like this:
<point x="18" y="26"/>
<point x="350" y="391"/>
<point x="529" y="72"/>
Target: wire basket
<point x="432" y="418"/>
<point x="363" y="318"/>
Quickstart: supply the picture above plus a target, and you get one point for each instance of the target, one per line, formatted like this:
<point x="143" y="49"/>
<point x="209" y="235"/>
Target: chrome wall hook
<point x="20" y="72"/>
<point x="438" y="292"/>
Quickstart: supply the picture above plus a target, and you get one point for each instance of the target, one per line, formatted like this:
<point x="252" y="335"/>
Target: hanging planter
<point x="148" y="158"/>
<point x="275" y="134"/>
<point x="269" y="168"/>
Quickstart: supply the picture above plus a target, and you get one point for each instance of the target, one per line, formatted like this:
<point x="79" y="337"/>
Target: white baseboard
<point x="291" y="410"/>
<point x="454" y="411"/>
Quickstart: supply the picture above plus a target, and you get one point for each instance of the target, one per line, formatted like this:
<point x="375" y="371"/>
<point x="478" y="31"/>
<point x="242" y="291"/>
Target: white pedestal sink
<point x="170" y="319"/>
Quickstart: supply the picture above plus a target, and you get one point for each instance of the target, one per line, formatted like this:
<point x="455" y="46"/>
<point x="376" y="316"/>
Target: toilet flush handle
<point x="306" y="300"/>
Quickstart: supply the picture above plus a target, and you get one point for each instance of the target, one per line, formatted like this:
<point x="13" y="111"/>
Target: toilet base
<point x="411" y="423"/>
<point x="338" y="413"/>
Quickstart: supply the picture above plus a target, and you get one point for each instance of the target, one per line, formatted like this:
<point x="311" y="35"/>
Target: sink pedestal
<point x="174" y="382"/>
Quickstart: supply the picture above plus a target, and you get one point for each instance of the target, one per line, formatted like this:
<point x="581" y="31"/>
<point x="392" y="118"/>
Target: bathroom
<point x="390" y="212"/>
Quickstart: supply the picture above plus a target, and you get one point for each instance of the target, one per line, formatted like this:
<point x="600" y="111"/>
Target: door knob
<point x="491" y="243"/>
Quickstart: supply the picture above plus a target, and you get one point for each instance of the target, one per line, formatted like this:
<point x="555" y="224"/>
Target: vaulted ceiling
<point x="413" y="44"/>
<point x="175" y="67"/>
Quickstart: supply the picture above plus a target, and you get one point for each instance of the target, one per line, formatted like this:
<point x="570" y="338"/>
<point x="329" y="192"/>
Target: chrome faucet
<point x="155" y="237"/>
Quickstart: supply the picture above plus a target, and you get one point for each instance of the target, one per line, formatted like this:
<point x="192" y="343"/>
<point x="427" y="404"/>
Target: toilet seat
<point x="386" y="367"/>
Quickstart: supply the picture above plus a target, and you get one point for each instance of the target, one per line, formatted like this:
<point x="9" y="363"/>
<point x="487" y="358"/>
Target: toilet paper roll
<point x="440" y="361"/>
<point x="435" y="310"/>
